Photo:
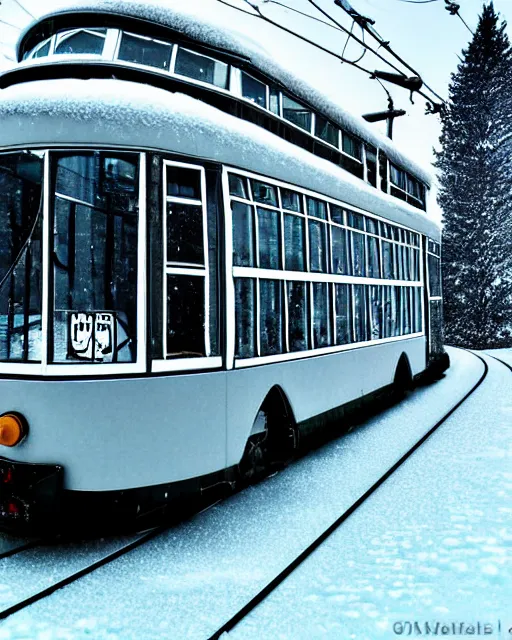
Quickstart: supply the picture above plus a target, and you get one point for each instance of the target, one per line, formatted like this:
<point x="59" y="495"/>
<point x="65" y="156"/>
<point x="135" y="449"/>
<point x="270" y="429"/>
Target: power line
<point x="418" y="1"/>
<point x="23" y="9"/>
<point x="11" y="25"/>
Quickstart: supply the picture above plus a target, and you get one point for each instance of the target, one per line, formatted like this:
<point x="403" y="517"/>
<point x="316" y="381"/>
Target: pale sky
<point x="425" y="35"/>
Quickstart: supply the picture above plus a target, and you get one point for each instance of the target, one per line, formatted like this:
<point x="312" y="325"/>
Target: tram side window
<point x="264" y="193"/>
<point x="373" y="257"/>
<point x="387" y="260"/>
<point x="359" y="254"/>
<point x="243" y="234"/>
<point x="294" y="242"/>
<point x="321" y="315"/>
<point x="371" y="165"/>
<point x="94" y="258"/>
<point x="145" y="51"/>
<point x="298" y="339"/>
<point x="291" y="200"/>
<point x="21" y="208"/>
<point x="434" y="275"/>
<point x="343" y="314"/>
<point x="245" y="321"/>
<point x="376" y="329"/>
<point x="238" y="186"/>
<point x="296" y="113"/>
<point x="186" y="264"/>
<point x="340" y="252"/>
<point x="199" y="67"/>
<point x="360" y="320"/>
<point x="318" y="246"/>
<point x="88" y="41"/>
<point x="271" y="317"/>
<point x="390" y="312"/>
<point x="326" y="131"/>
<point x="269" y="238"/>
<point x="254" y="90"/>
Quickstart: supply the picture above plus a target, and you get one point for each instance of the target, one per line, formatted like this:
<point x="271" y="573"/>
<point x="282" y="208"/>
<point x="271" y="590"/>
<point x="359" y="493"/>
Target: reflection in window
<point x="88" y="41"/>
<point x="321" y="315"/>
<point x="337" y="214"/>
<point x="245" y="312"/>
<point x="291" y="200"/>
<point x="373" y="257"/>
<point x="294" y="248"/>
<point x="42" y="51"/>
<point x="193" y="65"/>
<point x="359" y="254"/>
<point x="271" y="317"/>
<point x="387" y="260"/>
<point x="94" y="258"/>
<point x="296" y="113"/>
<point x="376" y="329"/>
<point x="269" y="238"/>
<point x="238" y="186"/>
<point x="243" y="235"/>
<point x="185" y="234"/>
<point x="254" y="90"/>
<point x="360" y="321"/>
<point x="145" y="51"/>
<point x="183" y="182"/>
<point x="325" y="130"/>
<point x="264" y="193"/>
<point x="297" y="316"/>
<point x="351" y="146"/>
<point x="318" y="246"/>
<point x="355" y="220"/>
<point x="340" y="261"/>
<point x="317" y="208"/>
<point x="343" y="314"/>
<point x="185" y="316"/>
<point x="434" y="275"/>
<point x="21" y="207"/>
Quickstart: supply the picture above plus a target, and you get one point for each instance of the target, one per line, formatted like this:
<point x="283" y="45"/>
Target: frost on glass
<point x="94" y="258"/>
<point x="318" y="246"/>
<point x="269" y="238"/>
<point x="297" y="316"/>
<point x="294" y="243"/>
<point x="81" y="41"/>
<point x="360" y="319"/>
<point x="343" y="316"/>
<point x="375" y="312"/>
<point x="21" y="210"/>
<point x="245" y="318"/>
<point x="434" y="275"/>
<point x="340" y="261"/>
<point x="321" y="315"/>
<point x="145" y="51"/>
<point x="194" y="65"/>
<point x="271" y="317"/>
<point x="243" y="235"/>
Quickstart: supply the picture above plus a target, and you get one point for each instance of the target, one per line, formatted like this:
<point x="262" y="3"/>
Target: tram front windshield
<point x="92" y="255"/>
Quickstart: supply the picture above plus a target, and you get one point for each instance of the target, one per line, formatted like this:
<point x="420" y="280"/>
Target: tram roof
<point x="194" y="21"/>
<point x="115" y="113"/>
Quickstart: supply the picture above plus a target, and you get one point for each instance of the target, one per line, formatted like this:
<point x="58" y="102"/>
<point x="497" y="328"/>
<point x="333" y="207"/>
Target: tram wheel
<point x="272" y="442"/>
<point x="402" y="383"/>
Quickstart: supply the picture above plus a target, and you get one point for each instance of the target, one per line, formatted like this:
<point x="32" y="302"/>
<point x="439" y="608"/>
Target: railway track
<point x="37" y="550"/>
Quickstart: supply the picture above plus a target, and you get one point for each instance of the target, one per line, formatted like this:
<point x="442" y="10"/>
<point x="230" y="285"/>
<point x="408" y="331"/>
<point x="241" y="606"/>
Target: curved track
<point x="104" y="556"/>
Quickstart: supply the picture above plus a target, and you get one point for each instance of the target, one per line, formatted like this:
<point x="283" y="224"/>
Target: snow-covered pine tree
<point x="475" y="173"/>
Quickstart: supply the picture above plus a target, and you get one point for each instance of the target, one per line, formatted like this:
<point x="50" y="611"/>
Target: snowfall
<point x="429" y="547"/>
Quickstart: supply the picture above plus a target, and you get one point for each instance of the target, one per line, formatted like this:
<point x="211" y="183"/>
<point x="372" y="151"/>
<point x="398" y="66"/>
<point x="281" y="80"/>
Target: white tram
<point x="199" y="266"/>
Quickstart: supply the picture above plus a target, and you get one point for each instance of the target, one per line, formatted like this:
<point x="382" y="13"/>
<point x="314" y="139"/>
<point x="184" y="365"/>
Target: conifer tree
<point x="475" y="173"/>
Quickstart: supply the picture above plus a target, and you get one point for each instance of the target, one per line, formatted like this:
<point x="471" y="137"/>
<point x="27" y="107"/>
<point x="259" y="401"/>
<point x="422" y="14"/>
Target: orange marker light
<point x="12" y="429"/>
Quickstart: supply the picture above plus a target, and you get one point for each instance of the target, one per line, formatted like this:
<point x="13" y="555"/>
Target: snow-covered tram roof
<point x="192" y="20"/>
<point x="114" y="113"/>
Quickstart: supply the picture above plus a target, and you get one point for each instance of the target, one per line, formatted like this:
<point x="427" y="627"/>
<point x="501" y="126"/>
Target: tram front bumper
<point x="30" y="496"/>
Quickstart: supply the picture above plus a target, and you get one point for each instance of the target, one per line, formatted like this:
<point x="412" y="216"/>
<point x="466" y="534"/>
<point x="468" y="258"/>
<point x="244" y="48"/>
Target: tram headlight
<point x="13" y="428"/>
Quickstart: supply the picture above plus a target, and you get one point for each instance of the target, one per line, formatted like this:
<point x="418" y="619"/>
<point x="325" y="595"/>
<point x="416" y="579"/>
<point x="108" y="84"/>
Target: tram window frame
<point x="175" y="361"/>
<point x="370" y="319"/>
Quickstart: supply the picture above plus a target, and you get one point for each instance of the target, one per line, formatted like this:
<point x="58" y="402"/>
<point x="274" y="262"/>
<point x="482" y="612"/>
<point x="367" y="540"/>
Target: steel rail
<point x="288" y="570"/>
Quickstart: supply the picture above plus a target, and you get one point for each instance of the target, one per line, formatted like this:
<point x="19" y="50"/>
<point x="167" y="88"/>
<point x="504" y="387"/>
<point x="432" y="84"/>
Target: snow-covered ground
<point x="432" y="545"/>
<point x="189" y="581"/>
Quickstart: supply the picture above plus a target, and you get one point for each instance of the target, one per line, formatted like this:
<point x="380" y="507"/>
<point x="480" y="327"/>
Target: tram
<point x="203" y="261"/>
